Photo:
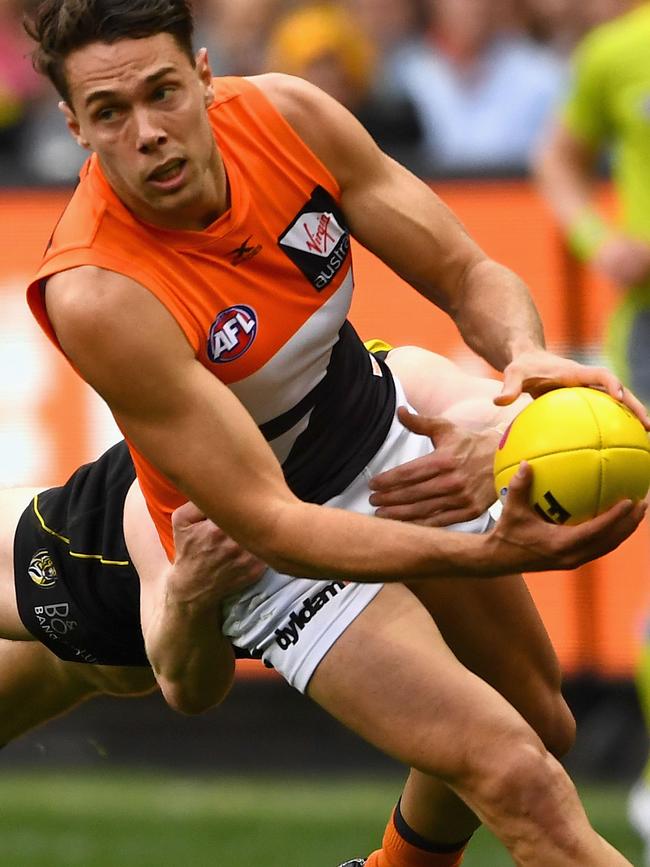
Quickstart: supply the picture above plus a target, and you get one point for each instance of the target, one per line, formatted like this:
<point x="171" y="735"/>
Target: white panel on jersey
<point x="300" y="364"/>
<point x="316" y="233"/>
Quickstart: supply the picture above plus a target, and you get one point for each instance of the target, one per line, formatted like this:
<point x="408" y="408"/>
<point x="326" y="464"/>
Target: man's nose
<point x="149" y="134"/>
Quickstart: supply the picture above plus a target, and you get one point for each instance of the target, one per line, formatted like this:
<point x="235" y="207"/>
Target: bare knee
<point x="514" y="778"/>
<point x="522" y="790"/>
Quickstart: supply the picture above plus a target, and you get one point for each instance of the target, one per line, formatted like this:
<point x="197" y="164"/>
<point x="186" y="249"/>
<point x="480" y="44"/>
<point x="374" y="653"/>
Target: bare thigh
<point x="36" y="686"/>
<point x="493" y="627"/>
<point x="392" y="679"/>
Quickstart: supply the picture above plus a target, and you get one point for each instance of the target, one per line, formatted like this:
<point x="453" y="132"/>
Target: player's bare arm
<point x="191" y="426"/>
<point x="401" y="220"/>
<point x="181" y="603"/>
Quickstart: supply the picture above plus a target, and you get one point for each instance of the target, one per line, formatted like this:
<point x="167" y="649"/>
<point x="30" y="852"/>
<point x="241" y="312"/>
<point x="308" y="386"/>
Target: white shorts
<point x="292" y="622"/>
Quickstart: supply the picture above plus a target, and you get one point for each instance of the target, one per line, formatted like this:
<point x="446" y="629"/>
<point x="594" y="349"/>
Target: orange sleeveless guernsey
<point x="262" y="296"/>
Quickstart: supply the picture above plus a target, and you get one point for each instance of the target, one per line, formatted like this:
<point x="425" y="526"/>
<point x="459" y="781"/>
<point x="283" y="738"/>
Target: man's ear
<point x="73" y="125"/>
<point x="204" y="73"/>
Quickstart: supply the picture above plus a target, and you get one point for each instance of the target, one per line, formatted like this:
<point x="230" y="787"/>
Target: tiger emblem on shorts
<point x="42" y="570"/>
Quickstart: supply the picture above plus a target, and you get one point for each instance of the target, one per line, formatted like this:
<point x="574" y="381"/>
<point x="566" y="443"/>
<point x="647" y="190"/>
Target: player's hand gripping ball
<point x="587" y="452"/>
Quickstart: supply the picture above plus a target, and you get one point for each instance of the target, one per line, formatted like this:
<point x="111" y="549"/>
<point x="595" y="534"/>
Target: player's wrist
<point x="587" y="233"/>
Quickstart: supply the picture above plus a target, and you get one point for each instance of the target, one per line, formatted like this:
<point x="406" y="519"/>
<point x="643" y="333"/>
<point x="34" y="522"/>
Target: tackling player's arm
<point x="195" y="431"/>
<point x="181" y="603"/>
<point x="402" y="221"/>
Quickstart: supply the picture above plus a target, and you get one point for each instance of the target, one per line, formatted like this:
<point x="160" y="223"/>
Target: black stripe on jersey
<point x="273" y="429"/>
<point x="353" y="411"/>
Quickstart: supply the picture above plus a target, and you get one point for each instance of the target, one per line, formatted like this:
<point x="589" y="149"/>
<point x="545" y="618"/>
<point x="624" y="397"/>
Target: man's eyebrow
<point x="96" y="95"/>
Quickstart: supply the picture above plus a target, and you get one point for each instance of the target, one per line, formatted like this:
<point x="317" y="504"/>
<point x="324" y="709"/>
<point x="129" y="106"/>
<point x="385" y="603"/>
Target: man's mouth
<point x="167" y="171"/>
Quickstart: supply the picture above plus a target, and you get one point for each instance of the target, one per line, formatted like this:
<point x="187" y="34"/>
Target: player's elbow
<point x="281" y="561"/>
<point x="191" y="702"/>
<point x="282" y="533"/>
<point x="275" y="540"/>
<point x="287" y="560"/>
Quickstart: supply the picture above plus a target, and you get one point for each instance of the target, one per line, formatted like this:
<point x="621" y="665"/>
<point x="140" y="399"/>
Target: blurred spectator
<point x="390" y="25"/>
<point x="236" y="33"/>
<point x="557" y="23"/>
<point x="482" y="89"/>
<point x="324" y="44"/>
<point x="562" y="23"/>
<point x="19" y="84"/>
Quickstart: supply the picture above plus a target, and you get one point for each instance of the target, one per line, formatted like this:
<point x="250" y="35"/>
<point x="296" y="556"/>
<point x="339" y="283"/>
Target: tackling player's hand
<point x="208" y="565"/>
<point x="452" y="484"/>
<point x="526" y="542"/>
<point x="539" y="371"/>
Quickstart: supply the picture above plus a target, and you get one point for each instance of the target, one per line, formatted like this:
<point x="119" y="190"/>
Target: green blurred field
<point x="128" y="820"/>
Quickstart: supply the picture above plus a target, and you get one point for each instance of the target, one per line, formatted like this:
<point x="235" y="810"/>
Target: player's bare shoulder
<point x="109" y="325"/>
<point x="82" y="298"/>
<point x="293" y="97"/>
<point x="326" y="127"/>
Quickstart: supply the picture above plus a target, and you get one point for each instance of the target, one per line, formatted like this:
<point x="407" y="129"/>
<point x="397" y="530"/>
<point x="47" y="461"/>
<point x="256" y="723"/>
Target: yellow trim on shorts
<point x="76" y="554"/>
<point x="376" y="344"/>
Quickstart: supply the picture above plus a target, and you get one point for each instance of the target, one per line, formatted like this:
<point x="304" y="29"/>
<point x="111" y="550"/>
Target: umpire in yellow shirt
<point x="608" y="110"/>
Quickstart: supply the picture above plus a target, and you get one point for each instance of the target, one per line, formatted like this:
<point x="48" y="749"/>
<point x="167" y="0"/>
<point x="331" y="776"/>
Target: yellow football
<point x="587" y="452"/>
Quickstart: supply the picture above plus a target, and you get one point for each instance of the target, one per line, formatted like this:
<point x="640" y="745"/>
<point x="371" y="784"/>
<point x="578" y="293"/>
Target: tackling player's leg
<point x="36" y="686"/>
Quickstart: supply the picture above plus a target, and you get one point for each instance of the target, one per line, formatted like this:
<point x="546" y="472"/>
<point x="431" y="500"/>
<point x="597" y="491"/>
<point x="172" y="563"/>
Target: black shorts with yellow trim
<point x="77" y="591"/>
<point x="378" y="347"/>
<point x="82" y="608"/>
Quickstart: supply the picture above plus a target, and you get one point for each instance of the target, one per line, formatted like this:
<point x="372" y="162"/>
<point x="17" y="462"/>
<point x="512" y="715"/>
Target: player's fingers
<point x="512" y="386"/>
<point x="446" y="517"/>
<point x="605" y="523"/>
<point x="600" y="376"/>
<point x="519" y="486"/>
<point x="606" y="532"/>
<point x="248" y="567"/>
<point x="412" y="472"/>
<point x="635" y="405"/>
<point x="433" y="427"/>
<point x="187" y="514"/>
<point x="436" y="488"/>
<point x="422" y="510"/>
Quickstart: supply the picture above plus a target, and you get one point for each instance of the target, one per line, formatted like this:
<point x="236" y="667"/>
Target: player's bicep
<point x="404" y="223"/>
<point x="389" y="210"/>
<point x="175" y="413"/>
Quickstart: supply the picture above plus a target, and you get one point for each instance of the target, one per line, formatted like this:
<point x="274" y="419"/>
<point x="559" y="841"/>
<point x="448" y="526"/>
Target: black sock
<point x="407" y="833"/>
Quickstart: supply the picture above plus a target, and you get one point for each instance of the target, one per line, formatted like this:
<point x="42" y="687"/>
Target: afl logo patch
<point x="232" y="334"/>
<point x="41" y="569"/>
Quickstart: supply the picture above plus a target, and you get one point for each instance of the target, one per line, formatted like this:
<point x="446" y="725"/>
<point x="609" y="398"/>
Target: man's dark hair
<point x="60" y="27"/>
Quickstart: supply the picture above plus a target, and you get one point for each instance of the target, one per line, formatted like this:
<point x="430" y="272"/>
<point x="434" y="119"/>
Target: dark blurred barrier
<point x="265" y="727"/>
<point x="49" y="422"/>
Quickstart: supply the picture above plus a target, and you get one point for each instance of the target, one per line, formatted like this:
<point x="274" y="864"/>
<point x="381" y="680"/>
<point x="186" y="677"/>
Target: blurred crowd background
<point x="454" y="89"/>
<point x="448" y="87"/>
